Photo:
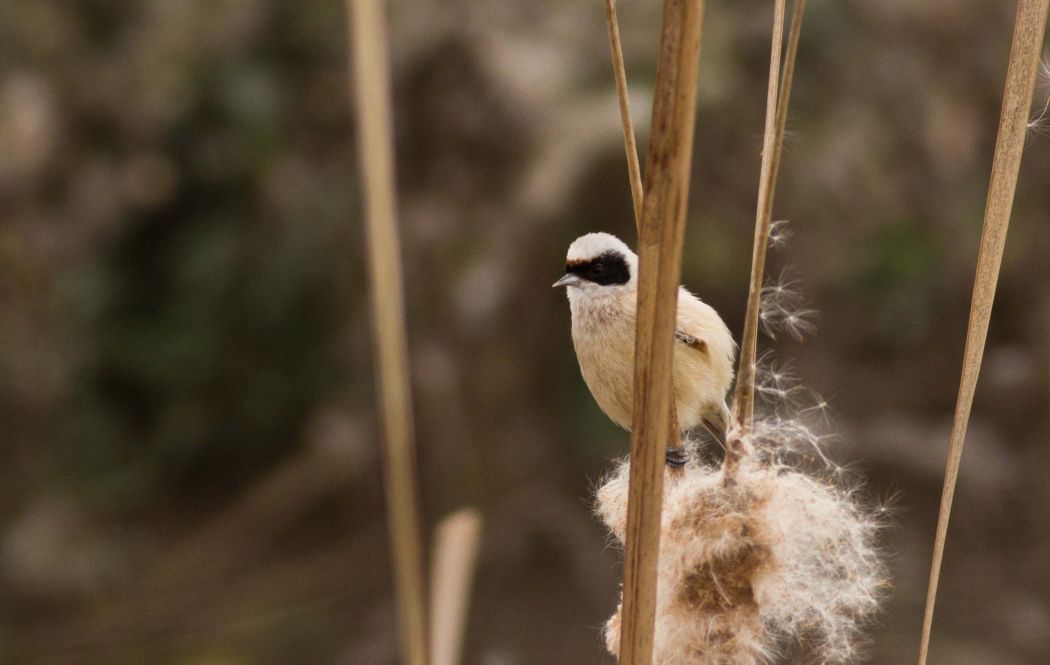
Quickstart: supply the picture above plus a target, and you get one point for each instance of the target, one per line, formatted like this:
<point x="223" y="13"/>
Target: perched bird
<point x="601" y="274"/>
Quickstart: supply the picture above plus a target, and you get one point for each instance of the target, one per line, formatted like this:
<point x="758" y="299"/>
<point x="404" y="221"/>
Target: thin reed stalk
<point x="778" y="96"/>
<point x="743" y="399"/>
<point x="1029" y="27"/>
<point x="787" y="78"/>
<point x="660" y="240"/>
<point x="371" y="91"/>
<point x="630" y="146"/>
<point x="456" y="541"/>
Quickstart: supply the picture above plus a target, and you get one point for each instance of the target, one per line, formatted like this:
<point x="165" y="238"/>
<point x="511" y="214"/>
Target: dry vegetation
<point x="751" y="555"/>
<point x="187" y="405"/>
<point x="1029" y="28"/>
<point x="779" y="560"/>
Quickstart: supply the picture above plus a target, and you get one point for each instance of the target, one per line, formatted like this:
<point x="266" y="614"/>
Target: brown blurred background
<point x="191" y="467"/>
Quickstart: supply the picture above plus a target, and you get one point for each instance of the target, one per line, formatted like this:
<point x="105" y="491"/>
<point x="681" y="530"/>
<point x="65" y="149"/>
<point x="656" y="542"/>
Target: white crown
<point x="593" y="245"/>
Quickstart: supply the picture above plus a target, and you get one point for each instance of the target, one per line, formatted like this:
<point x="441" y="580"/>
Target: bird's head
<point x="597" y="262"/>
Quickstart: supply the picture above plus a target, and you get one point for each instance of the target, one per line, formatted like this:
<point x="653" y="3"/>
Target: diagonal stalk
<point x="1029" y="27"/>
<point x="630" y="146"/>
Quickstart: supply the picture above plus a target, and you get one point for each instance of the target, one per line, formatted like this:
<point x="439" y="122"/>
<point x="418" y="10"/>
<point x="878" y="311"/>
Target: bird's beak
<point x="568" y="280"/>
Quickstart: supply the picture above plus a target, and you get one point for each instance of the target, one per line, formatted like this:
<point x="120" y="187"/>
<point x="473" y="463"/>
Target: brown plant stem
<point x="778" y="97"/>
<point x="743" y="399"/>
<point x="660" y="240"/>
<point x="1029" y="28"/>
<point x="630" y="145"/>
<point x="371" y="85"/>
<point x="788" y="77"/>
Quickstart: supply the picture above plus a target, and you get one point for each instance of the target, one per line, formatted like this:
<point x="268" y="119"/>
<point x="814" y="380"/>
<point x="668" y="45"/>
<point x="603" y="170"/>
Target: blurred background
<point x="191" y="469"/>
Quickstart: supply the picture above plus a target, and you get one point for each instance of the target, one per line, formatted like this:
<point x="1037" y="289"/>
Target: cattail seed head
<point x="779" y="557"/>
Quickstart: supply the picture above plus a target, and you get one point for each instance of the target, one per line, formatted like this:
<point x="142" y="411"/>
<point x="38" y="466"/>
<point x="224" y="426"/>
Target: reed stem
<point x="660" y="240"/>
<point x="634" y="171"/>
<point x="371" y="91"/>
<point x="456" y="541"/>
<point x="778" y="96"/>
<point x="630" y="146"/>
<point x="1029" y="28"/>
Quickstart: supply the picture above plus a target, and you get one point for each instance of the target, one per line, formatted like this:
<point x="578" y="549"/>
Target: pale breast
<point x="604" y="342"/>
<point x="603" y="333"/>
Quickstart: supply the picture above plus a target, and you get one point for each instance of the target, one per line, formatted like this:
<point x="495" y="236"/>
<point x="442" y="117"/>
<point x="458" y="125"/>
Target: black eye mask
<point x="608" y="269"/>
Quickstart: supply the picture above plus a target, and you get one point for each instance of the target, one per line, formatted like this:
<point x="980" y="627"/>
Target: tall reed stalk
<point x="1029" y="28"/>
<point x="371" y="92"/>
<point x="778" y="95"/>
<point x="660" y="240"/>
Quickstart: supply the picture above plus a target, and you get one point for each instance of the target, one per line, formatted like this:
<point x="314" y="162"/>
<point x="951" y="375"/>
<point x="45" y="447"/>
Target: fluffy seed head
<point x="778" y="559"/>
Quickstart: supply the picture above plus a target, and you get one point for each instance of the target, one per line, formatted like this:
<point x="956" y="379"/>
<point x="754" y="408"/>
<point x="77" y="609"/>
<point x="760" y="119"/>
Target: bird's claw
<point x="676" y="457"/>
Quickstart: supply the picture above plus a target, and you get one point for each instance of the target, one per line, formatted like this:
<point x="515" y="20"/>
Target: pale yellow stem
<point x="456" y="541"/>
<point x="371" y="87"/>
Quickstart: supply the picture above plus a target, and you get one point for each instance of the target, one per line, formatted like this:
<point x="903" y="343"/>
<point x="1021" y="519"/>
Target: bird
<point x="601" y="280"/>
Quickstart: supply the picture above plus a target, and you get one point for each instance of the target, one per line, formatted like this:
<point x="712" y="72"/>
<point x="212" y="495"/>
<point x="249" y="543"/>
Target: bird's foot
<point x="676" y="457"/>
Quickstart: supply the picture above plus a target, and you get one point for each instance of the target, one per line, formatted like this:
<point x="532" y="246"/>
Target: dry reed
<point x="1029" y="27"/>
<point x="371" y="86"/>
<point x="660" y="241"/>
<point x="780" y="559"/>
<point x="456" y="541"/>
<point x="778" y="95"/>
<point x="776" y="557"/>
<point x="630" y="145"/>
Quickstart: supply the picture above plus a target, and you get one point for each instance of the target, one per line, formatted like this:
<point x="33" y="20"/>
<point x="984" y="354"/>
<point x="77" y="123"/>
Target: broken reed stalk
<point x="371" y="85"/>
<point x="778" y="96"/>
<point x="660" y="242"/>
<point x="455" y="554"/>
<point x="630" y="146"/>
<point x="1029" y="27"/>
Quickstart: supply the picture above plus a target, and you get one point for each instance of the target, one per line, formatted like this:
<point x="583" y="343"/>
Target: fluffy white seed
<point x="779" y="559"/>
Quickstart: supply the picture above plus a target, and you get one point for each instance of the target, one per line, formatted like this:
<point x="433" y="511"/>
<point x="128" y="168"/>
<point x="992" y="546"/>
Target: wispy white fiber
<point x="1040" y="124"/>
<point x="780" y="559"/>
<point x="781" y="308"/>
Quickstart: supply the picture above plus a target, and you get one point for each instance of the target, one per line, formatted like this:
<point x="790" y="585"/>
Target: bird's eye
<point x="598" y="269"/>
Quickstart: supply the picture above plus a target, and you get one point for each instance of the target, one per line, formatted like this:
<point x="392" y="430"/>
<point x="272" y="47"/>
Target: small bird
<point x="601" y="274"/>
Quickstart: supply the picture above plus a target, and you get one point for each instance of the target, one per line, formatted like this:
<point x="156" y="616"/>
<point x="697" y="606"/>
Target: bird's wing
<point x="694" y="321"/>
<point x="691" y="341"/>
<point x="699" y="327"/>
